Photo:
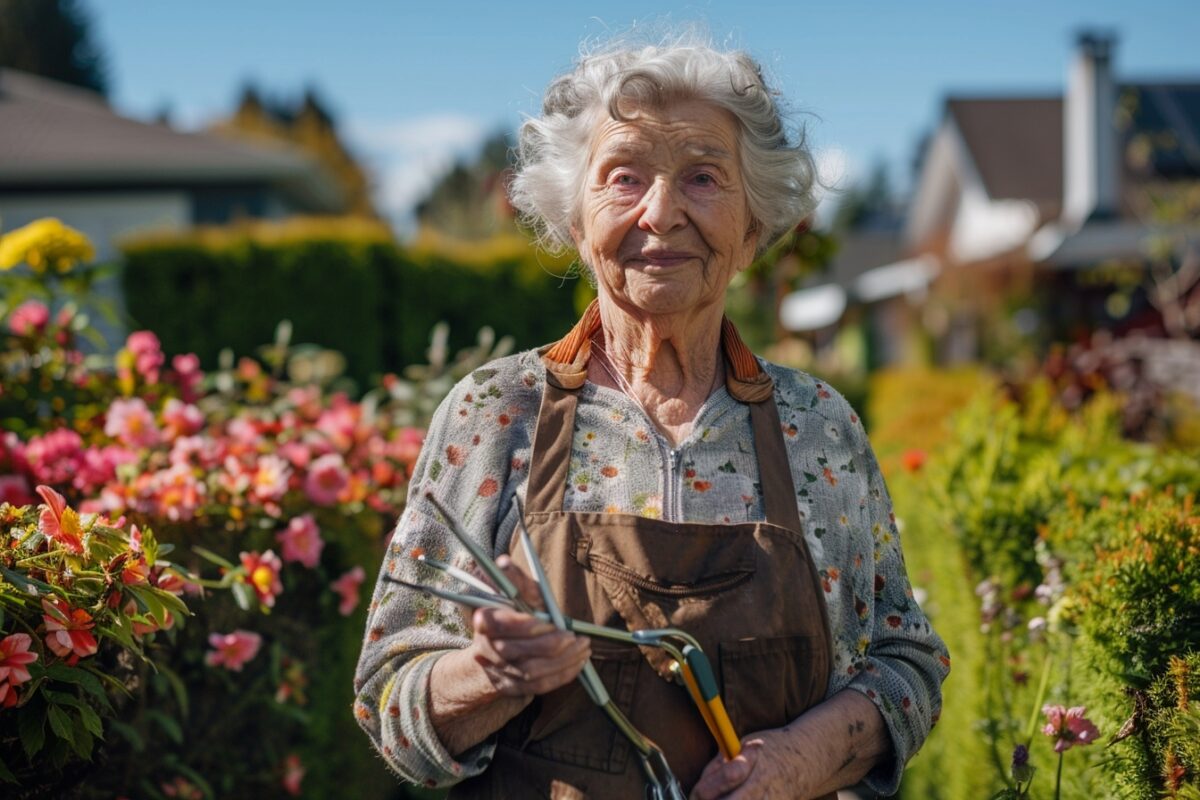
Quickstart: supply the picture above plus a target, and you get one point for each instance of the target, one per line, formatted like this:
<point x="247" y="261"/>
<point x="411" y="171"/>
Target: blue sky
<point x="417" y="84"/>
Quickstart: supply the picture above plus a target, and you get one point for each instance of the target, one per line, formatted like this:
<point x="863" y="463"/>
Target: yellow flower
<point x="43" y="244"/>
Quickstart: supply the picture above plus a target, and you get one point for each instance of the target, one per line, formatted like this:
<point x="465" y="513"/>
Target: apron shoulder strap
<point x="566" y="371"/>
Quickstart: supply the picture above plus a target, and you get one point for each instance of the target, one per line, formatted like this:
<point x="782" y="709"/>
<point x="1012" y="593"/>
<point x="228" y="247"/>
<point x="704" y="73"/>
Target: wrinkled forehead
<point x="691" y="129"/>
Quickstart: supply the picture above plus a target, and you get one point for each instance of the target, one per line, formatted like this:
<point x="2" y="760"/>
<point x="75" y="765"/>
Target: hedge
<point x="344" y="285"/>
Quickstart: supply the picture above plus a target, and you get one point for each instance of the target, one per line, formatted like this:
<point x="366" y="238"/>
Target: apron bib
<point x="749" y="592"/>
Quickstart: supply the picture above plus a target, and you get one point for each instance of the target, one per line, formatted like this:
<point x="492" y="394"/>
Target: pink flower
<point x="347" y="586"/>
<point x="188" y="375"/>
<point x="131" y="423"/>
<point x="148" y="353"/>
<point x="296" y="453"/>
<point x="181" y="419"/>
<point x="327" y="477"/>
<point x="262" y="573"/>
<point x="244" y="431"/>
<point x="68" y="630"/>
<point x="14" y="658"/>
<point x="29" y="318"/>
<point x="58" y="522"/>
<point x="177" y="492"/>
<point x="1069" y="727"/>
<point x="14" y="489"/>
<point x="99" y="466"/>
<point x="302" y="541"/>
<point x="55" y="456"/>
<point x="233" y="478"/>
<point x="270" y="479"/>
<point x="232" y="650"/>
<point x="293" y="773"/>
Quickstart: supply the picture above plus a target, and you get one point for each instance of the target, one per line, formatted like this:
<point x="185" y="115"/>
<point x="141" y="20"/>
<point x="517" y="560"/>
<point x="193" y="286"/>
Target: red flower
<point x="68" y="630"/>
<point x="830" y="477"/>
<point x="701" y="486"/>
<point x="59" y="523"/>
<point x="455" y="456"/>
<point x="609" y="471"/>
<point x="913" y="460"/>
<point x="488" y="488"/>
<point x="262" y="573"/>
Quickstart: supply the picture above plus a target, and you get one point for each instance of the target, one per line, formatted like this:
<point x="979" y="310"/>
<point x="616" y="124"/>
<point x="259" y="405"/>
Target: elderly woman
<point x="668" y="477"/>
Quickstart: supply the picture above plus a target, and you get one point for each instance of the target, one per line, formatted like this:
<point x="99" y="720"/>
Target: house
<point x="64" y="153"/>
<point x="1029" y="216"/>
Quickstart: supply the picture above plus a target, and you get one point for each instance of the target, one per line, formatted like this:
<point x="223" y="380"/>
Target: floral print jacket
<point x="476" y="458"/>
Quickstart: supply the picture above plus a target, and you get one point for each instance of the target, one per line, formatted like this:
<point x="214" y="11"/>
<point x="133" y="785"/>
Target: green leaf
<point x="31" y="724"/>
<point x="91" y="721"/>
<point x="24" y="582"/>
<point x="177" y="686"/>
<point x="204" y="552"/>
<point x="244" y="595"/>
<point x="60" y="723"/>
<point x="5" y="774"/>
<point x="481" y="376"/>
<point x="171" y="602"/>
<point x="81" y="677"/>
<point x="129" y="733"/>
<point x="153" y="606"/>
<point x="123" y="635"/>
<point x="169" y="726"/>
<point x="82" y="744"/>
<point x="195" y="778"/>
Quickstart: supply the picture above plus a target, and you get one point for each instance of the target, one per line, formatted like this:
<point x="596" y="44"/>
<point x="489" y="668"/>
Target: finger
<point x="535" y="676"/>
<point x="507" y="623"/>
<point x="552" y="645"/>
<point x="721" y="777"/>
<point x="526" y="585"/>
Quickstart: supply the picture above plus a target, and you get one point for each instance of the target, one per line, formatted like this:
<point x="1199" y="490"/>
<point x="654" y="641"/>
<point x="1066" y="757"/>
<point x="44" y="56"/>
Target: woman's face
<point x="665" y="222"/>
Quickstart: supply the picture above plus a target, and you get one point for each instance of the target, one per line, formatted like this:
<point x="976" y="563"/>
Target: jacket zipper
<point x="670" y="492"/>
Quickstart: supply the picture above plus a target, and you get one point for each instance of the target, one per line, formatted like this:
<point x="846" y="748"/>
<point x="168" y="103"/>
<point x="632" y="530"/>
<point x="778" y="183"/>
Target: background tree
<point x="52" y="38"/>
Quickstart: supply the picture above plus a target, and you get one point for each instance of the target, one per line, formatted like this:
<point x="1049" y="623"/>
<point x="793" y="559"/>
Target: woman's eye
<point x="624" y="179"/>
<point x="704" y="179"/>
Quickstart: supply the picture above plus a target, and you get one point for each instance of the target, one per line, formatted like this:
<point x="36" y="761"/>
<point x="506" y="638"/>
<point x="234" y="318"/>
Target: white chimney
<point x="1090" y="155"/>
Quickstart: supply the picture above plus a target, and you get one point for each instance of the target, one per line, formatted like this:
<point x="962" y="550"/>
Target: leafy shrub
<point x="344" y="286"/>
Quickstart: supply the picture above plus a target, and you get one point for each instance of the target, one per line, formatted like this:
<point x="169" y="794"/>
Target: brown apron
<point x="748" y="591"/>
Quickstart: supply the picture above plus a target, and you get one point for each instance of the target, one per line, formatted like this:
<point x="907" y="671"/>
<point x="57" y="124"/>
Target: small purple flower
<point x="1021" y="770"/>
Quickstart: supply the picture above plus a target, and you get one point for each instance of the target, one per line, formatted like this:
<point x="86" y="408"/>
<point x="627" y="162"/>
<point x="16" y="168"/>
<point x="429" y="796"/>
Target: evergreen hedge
<point x="344" y="285"/>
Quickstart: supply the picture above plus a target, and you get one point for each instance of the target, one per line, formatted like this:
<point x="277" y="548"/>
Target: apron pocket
<point x="572" y="730"/>
<point x="768" y="682"/>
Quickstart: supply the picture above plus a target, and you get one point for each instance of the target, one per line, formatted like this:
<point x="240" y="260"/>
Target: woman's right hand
<point x="521" y="655"/>
<point x="513" y="656"/>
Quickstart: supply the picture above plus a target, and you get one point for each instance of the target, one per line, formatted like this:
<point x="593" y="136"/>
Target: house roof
<point x="1016" y="143"/>
<point x="52" y="134"/>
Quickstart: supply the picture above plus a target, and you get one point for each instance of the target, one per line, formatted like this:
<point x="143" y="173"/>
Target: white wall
<point x="103" y="218"/>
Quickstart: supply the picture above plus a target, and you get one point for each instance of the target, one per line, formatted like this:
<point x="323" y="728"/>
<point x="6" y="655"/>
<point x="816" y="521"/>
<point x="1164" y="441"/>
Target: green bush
<point x="1022" y="506"/>
<point x="345" y="286"/>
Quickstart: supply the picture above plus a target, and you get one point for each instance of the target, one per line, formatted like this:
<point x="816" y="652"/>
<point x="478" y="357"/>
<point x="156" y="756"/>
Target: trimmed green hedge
<point x="347" y="287"/>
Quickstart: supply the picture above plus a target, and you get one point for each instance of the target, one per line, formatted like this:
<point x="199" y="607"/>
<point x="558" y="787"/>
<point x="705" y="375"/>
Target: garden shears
<point x="691" y="666"/>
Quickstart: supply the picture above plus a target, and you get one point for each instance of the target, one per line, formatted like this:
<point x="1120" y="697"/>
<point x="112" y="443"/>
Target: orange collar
<point x="566" y="360"/>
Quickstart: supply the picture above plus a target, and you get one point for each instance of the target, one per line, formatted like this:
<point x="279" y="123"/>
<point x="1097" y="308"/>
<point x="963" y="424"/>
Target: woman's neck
<point x="669" y="364"/>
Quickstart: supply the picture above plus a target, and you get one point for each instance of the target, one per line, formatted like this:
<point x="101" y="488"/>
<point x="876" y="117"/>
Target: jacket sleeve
<point x="904" y="660"/>
<point x="464" y="462"/>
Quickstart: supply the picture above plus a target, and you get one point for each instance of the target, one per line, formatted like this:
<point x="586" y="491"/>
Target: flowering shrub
<point x="274" y="487"/>
<point x="79" y="595"/>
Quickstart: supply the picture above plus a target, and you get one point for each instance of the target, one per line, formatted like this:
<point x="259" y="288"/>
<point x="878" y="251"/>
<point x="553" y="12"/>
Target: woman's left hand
<point x="768" y="766"/>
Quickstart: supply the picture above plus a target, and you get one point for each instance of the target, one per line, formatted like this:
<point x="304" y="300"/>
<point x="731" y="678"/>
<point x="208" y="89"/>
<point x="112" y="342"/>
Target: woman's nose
<point x="662" y="209"/>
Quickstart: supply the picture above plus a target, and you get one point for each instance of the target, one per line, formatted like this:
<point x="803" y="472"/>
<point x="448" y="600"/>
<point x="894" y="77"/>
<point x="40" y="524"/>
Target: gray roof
<point x="1016" y="143"/>
<point x="52" y="134"/>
